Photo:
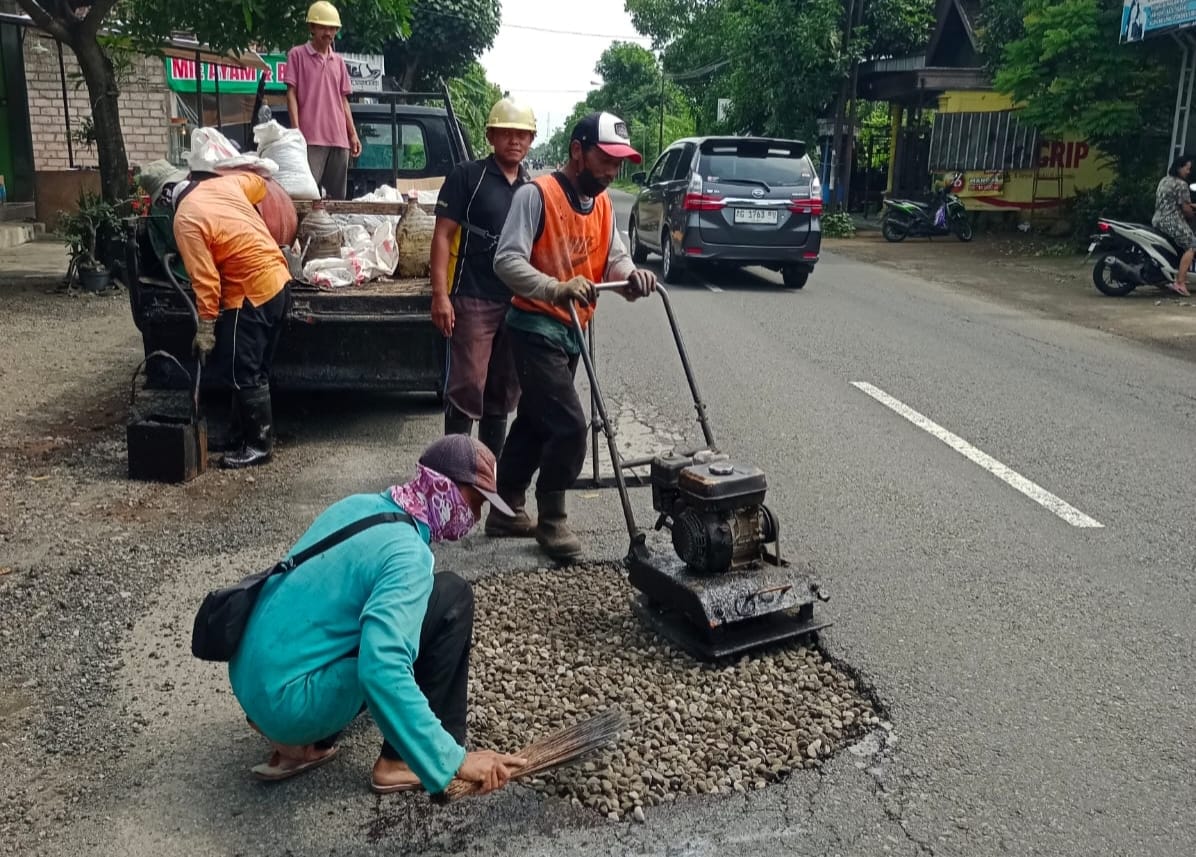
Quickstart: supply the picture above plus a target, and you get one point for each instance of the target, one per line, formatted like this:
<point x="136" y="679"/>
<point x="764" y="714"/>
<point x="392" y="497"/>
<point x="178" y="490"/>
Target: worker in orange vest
<point x="559" y="239"/>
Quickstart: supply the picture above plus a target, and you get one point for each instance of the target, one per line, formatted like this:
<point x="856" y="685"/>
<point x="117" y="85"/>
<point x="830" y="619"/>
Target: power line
<point x="622" y="38"/>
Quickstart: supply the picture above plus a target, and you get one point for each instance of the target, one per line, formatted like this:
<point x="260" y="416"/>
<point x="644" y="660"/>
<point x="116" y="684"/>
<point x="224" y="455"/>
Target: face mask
<point x="589" y="184"/>
<point x="435" y="499"/>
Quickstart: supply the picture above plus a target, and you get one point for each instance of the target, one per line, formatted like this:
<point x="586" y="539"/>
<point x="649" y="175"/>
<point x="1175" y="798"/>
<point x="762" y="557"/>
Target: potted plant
<point x="83" y="231"/>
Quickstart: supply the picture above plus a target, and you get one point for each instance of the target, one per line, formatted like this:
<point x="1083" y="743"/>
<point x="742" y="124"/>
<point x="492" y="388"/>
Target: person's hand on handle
<point x="205" y="339"/>
<point x="577" y="289"/>
<point x="490" y="770"/>
<point x="443" y="316"/>
<point x="640" y="284"/>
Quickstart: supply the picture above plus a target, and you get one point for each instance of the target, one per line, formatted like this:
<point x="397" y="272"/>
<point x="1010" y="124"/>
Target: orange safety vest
<point x="570" y="245"/>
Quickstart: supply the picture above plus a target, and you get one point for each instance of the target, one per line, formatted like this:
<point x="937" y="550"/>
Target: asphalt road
<point x="1037" y="669"/>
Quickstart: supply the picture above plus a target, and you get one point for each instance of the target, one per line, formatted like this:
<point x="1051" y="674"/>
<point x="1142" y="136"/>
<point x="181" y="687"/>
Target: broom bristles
<point x="557" y="749"/>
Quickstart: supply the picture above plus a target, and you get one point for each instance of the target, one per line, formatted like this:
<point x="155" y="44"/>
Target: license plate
<point x="1092" y="246"/>
<point x="755" y="215"/>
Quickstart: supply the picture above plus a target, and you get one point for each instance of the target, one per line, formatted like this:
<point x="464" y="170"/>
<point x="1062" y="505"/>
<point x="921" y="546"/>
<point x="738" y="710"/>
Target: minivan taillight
<point x="702" y="202"/>
<point x="812" y="207"/>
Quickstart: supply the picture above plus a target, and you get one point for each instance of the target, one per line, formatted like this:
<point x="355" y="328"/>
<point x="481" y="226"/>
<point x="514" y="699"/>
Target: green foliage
<point x="631" y="89"/>
<point x="83" y="231"/>
<point x="785" y="62"/>
<point x="1119" y="97"/>
<point x="444" y="38"/>
<point x="1129" y="199"/>
<point x="239" y="24"/>
<point x="838" y="224"/>
<point x="473" y="96"/>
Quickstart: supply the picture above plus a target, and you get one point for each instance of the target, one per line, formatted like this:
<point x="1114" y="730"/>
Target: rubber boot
<point x="455" y="422"/>
<point x="552" y="530"/>
<point x="517" y="526"/>
<point x="492" y="431"/>
<point x="257" y="423"/>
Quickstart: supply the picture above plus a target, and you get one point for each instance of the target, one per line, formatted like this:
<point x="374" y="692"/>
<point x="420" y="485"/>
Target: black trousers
<point x="550" y="427"/>
<point x="442" y="666"/>
<point x="246" y="339"/>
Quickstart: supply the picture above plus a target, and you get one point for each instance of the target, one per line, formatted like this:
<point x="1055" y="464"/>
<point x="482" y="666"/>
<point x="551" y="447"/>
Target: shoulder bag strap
<point x="345" y="532"/>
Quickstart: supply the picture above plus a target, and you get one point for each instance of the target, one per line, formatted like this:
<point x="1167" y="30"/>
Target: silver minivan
<point x="735" y="200"/>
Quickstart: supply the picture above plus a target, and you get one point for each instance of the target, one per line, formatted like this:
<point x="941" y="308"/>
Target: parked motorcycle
<point x="907" y="217"/>
<point x="1132" y="255"/>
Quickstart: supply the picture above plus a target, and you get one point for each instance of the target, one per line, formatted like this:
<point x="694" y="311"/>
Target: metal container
<point x="166" y="447"/>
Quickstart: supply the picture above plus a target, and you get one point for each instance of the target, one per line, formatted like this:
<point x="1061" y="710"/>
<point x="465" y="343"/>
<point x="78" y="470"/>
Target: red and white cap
<point x="609" y="133"/>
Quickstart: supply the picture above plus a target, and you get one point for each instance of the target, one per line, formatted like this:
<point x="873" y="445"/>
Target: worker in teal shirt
<point x="367" y="624"/>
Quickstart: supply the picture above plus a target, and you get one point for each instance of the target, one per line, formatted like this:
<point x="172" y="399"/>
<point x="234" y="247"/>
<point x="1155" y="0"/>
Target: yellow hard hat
<point x="508" y="113"/>
<point x="323" y="13"/>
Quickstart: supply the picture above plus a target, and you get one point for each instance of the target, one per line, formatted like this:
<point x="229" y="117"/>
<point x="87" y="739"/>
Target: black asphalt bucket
<point x="166" y="447"/>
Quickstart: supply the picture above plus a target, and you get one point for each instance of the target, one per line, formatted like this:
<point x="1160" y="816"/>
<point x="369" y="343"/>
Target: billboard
<point x="1141" y="19"/>
<point x="365" y="74"/>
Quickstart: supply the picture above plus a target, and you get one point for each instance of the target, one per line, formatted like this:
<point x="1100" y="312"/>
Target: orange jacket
<point x="227" y="249"/>
<point x="570" y="245"/>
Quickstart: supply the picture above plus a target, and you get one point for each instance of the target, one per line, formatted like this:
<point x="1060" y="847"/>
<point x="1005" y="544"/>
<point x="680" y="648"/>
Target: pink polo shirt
<point x="320" y="83"/>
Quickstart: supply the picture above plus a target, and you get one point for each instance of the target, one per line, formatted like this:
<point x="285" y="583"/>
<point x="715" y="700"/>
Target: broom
<point x="557" y="749"/>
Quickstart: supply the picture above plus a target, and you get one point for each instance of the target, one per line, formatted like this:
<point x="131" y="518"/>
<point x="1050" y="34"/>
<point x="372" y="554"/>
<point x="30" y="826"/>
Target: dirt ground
<point x="1005" y="269"/>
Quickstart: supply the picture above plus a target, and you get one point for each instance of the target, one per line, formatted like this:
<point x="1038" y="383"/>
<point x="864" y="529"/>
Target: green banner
<point x="180" y="76"/>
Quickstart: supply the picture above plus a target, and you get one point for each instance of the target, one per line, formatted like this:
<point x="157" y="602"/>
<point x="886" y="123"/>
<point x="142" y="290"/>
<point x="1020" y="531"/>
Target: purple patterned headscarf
<point x="436" y="500"/>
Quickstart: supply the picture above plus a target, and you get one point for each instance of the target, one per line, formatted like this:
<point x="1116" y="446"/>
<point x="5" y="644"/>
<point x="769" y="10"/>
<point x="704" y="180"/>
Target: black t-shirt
<point x="477" y="196"/>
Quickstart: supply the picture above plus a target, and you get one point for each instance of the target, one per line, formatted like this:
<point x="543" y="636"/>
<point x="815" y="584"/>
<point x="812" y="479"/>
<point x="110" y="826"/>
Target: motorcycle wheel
<point x="963" y="229"/>
<point x="1106" y="283"/>
<point x="893" y="231"/>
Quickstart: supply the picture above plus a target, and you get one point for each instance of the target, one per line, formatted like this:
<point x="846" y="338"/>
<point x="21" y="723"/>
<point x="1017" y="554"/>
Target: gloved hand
<point x="205" y="339"/>
<point x="577" y="289"/>
<point x="640" y="284"/>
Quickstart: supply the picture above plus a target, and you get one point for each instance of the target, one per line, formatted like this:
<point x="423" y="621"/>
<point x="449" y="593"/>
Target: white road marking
<point x="709" y="286"/>
<point x="1006" y="474"/>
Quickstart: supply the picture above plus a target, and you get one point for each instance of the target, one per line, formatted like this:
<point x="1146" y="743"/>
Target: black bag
<point x="224" y="614"/>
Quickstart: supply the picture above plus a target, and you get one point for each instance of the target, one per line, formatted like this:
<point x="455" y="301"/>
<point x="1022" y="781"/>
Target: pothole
<point x="552" y="647"/>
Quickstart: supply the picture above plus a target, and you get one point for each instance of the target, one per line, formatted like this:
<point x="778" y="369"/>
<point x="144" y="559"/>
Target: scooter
<point x="907" y="217"/>
<point x="1132" y="255"/>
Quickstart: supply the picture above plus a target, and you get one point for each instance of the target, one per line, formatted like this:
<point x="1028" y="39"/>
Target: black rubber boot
<point x="455" y="422"/>
<point x="517" y="526"/>
<point x="492" y="431"/>
<point x="257" y="424"/>
<point x="552" y="529"/>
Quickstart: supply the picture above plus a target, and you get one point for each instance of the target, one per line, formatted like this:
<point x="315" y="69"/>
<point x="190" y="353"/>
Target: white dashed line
<point x="1007" y="475"/>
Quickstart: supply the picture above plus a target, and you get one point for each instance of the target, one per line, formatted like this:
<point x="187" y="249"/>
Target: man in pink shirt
<point x="317" y="103"/>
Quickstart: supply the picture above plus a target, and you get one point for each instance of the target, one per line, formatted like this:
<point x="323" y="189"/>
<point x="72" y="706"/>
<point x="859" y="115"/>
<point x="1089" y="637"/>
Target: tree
<point x="83" y="26"/>
<point x="781" y="63"/>
<point x="1119" y="97"/>
<point x="473" y="96"/>
<point x="444" y="38"/>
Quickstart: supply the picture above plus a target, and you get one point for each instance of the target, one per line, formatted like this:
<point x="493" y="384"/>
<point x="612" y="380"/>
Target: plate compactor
<point x="726" y="589"/>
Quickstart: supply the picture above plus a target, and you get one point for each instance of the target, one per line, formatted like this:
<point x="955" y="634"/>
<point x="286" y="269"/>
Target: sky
<point x="552" y="71"/>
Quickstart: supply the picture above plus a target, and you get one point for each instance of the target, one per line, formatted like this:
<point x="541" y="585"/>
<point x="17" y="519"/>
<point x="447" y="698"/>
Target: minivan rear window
<point x="757" y="160"/>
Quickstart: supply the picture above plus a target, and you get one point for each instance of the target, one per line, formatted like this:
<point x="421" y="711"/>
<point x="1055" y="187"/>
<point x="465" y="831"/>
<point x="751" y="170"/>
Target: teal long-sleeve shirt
<point x="340" y="630"/>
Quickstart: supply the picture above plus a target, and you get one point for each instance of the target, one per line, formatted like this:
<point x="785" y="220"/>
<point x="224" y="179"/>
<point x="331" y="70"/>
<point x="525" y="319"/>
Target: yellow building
<point x="995" y="163"/>
<point x="950" y="127"/>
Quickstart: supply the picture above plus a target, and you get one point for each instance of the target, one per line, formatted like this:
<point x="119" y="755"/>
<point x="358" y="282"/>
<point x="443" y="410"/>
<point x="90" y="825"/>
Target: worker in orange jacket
<point x="240" y="278"/>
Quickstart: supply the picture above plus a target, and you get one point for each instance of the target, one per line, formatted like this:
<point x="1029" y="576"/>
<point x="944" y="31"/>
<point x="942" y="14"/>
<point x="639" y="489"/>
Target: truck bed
<point x="385" y="287"/>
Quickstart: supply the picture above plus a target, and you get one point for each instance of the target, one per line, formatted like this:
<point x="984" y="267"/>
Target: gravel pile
<point x="552" y="647"/>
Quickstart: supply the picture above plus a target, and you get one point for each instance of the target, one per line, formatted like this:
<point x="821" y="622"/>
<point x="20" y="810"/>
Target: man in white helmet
<point x="469" y="301"/>
<point x="317" y="101"/>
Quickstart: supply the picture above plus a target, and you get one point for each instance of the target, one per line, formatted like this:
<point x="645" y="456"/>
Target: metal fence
<point x="996" y="140"/>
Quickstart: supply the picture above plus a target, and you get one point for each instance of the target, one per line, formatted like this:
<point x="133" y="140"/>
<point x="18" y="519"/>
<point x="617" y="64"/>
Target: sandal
<point x="1180" y="289"/>
<point x="394" y="788"/>
<point x="277" y="770"/>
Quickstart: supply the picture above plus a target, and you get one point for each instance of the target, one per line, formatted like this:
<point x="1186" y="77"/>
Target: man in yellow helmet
<point x="469" y="302"/>
<point x="317" y="101"/>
